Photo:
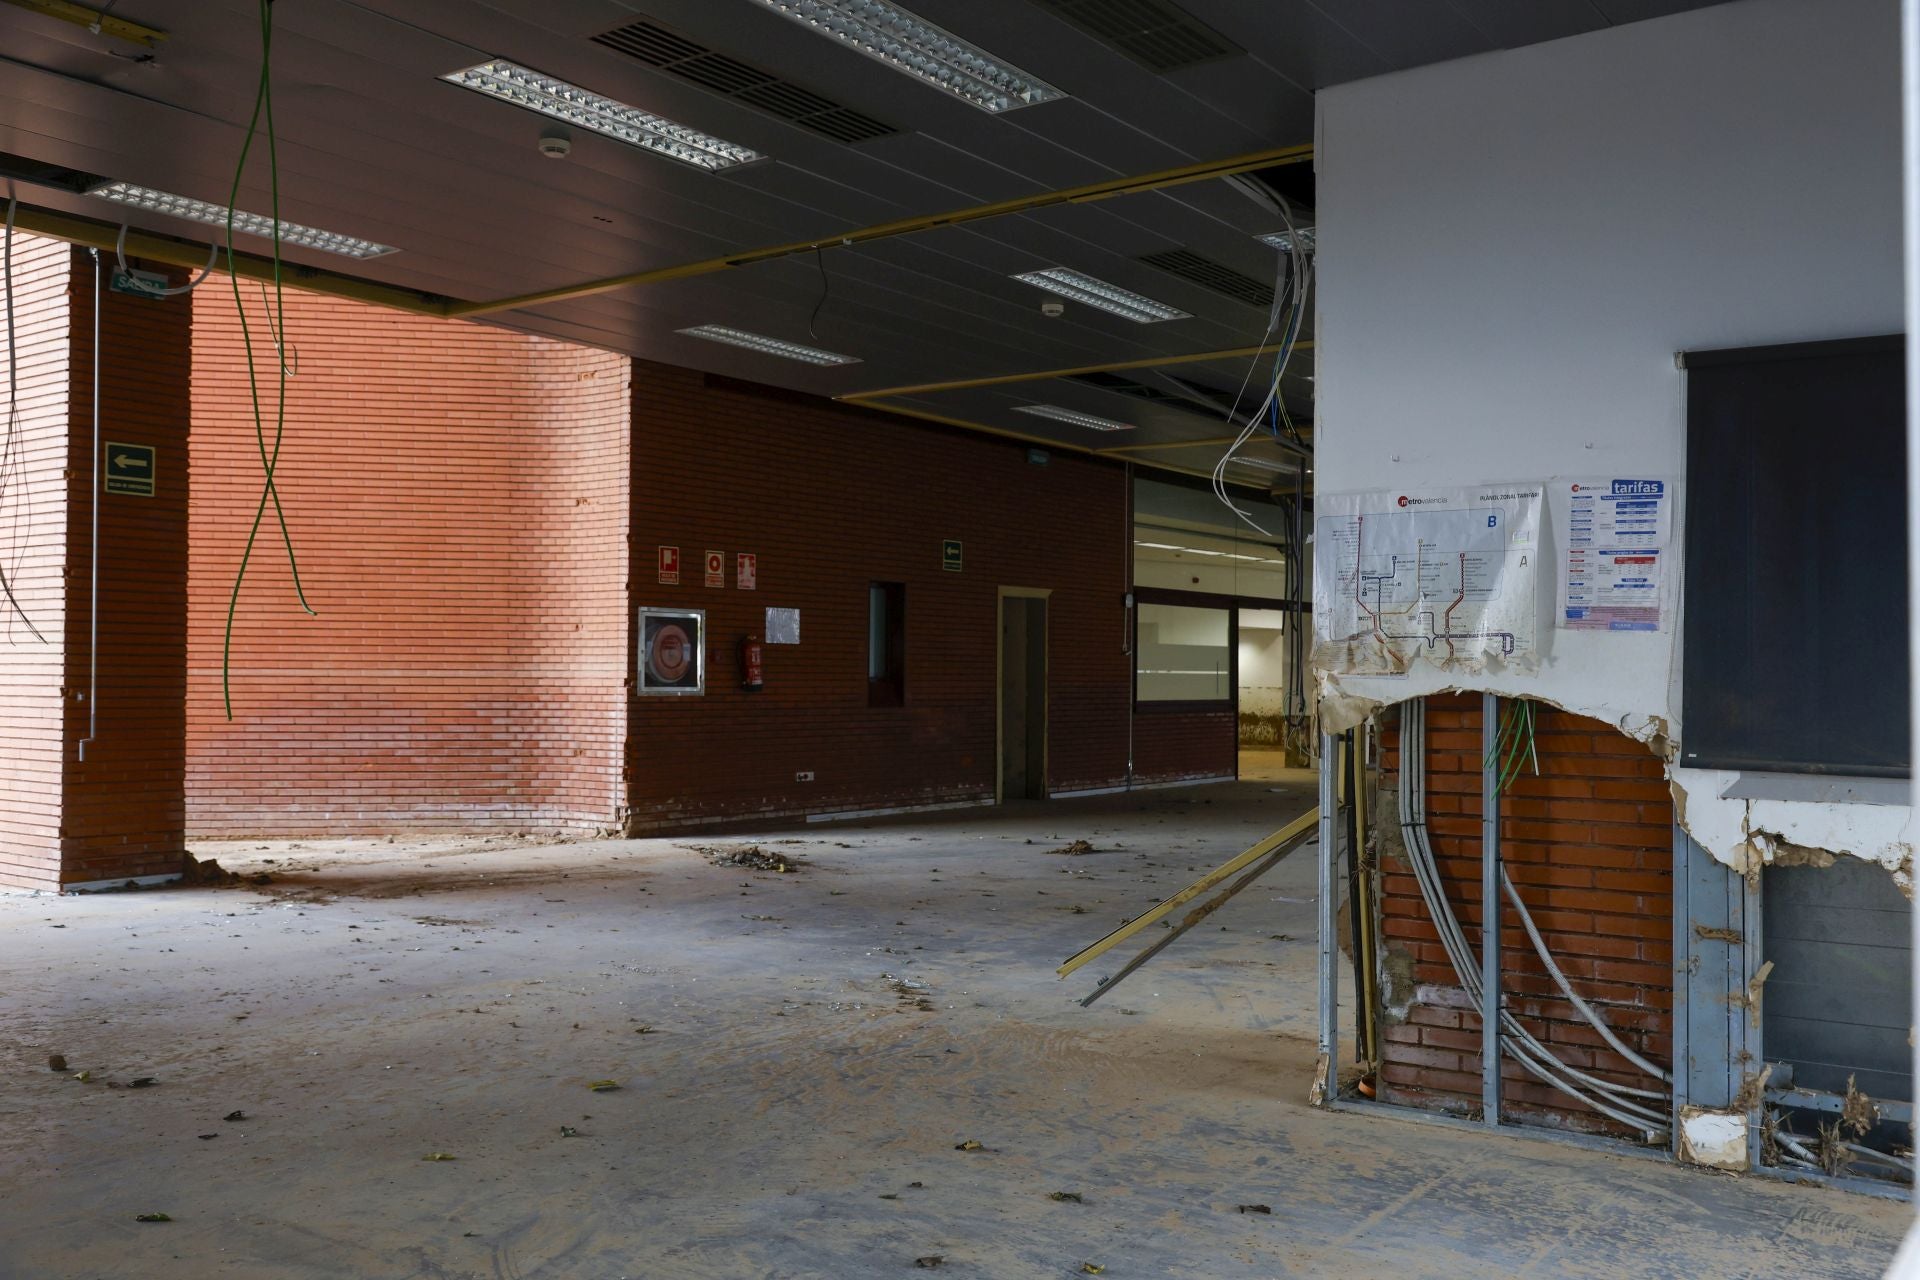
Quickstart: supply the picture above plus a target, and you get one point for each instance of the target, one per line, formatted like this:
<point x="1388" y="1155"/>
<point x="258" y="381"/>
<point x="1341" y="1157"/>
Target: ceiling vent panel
<point x="1156" y="35"/>
<point x="1125" y="386"/>
<point x="655" y="45"/>
<point x="1209" y="274"/>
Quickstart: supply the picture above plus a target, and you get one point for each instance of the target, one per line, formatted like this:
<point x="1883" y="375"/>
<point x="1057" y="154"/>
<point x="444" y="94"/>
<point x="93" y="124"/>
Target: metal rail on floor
<point x="1279" y="843"/>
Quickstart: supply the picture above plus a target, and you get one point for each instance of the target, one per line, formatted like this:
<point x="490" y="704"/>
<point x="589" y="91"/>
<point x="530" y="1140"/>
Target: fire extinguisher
<point x="752" y="668"/>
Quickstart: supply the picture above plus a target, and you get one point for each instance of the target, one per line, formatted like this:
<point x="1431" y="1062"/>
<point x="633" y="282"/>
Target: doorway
<point x="1023" y="695"/>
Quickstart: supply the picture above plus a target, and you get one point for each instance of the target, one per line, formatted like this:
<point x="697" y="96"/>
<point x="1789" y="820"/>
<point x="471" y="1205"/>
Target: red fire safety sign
<point x="716" y="568"/>
<point x="746" y="571"/>
<point x="670" y="566"/>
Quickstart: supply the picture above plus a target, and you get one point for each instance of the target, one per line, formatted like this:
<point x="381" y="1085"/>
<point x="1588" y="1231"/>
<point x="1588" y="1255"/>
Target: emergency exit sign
<point x="950" y="555"/>
<point x="129" y="470"/>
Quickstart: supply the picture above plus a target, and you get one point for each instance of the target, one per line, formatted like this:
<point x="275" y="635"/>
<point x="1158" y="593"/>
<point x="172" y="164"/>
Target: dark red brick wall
<point x="457" y="495"/>
<point x="1589" y="846"/>
<point x="125" y="803"/>
<point x="119" y="813"/>
<point x="830" y="499"/>
<point x="1173" y="745"/>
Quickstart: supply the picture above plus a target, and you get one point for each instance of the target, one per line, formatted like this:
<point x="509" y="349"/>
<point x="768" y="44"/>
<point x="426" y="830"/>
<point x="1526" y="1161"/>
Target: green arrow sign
<point x="130" y="470"/>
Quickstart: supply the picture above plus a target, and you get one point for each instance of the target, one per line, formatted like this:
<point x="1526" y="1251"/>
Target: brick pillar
<point x="118" y="814"/>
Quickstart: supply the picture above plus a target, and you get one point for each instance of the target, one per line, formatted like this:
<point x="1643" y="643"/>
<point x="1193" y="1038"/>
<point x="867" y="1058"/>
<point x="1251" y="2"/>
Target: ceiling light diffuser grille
<point x="1073" y="417"/>
<point x="1209" y="274"/>
<point x="768" y="346"/>
<point x="1283" y="241"/>
<point x="510" y="82"/>
<point x="655" y="45"/>
<point x="887" y="33"/>
<point x="253" y="224"/>
<point x="1155" y="35"/>
<point x="1079" y="287"/>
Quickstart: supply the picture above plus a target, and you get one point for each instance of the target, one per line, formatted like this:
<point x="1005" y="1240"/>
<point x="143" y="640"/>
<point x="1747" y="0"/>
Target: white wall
<point x="1513" y="247"/>
<point x="1263" y="661"/>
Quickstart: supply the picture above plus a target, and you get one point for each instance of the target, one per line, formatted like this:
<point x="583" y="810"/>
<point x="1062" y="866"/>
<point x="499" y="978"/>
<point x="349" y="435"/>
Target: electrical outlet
<point x="805" y="775"/>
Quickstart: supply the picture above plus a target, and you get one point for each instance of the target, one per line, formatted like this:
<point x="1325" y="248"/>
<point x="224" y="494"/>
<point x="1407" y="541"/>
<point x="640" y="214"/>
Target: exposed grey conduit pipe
<point x="93" y="505"/>
<point x="1413" y="784"/>
<point x="1573" y="997"/>
<point x="1518" y="1041"/>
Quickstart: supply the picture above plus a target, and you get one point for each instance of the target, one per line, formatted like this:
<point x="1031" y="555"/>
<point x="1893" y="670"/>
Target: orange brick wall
<point x="1589" y="846"/>
<point x="458" y="499"/>
<point x="831" y="499"/>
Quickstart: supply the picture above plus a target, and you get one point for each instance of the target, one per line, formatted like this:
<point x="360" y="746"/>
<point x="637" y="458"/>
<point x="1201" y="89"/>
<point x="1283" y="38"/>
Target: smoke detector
<point x="555" y="146"/>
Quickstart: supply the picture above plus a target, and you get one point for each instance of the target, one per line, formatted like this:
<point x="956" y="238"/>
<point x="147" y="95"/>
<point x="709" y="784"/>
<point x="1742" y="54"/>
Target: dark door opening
<point x="1023" y="698"/>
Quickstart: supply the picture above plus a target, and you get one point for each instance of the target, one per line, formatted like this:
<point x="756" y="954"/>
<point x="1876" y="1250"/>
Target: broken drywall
<point x="1744" y="834"/>
<point x="1717" y="1139"/>
<point x="1750" y="834"/>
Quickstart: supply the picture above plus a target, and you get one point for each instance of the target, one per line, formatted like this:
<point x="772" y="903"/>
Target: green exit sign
<point x="950" y="555"/>
<point x="129" y="469"/>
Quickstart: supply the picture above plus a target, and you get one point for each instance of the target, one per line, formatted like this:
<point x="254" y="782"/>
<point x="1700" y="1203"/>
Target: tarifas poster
<point x="1616" y="535"/>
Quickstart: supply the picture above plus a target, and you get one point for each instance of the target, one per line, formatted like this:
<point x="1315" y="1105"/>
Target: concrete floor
<point x="798" y="1056"/>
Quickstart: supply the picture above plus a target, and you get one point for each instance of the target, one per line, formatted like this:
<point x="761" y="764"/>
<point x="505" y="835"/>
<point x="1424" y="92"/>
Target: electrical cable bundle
<point x="1292" y="285"/>
<point x="1634" y="1107"/>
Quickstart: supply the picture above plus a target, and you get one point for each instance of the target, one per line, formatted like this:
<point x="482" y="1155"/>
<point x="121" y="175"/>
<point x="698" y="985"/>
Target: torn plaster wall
<point x="1748" y="834"/>
<point x="1510" y="310"/>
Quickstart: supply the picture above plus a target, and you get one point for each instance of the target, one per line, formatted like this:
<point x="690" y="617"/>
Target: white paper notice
<point x="1448" y="577"/>
<point x="1616" y="540"/>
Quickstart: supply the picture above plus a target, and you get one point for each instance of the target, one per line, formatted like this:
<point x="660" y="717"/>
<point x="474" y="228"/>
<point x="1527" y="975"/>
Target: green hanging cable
<point x="1505" y="725"/>
<point x="269" y="457"/>
<point x="1522" y="745"/>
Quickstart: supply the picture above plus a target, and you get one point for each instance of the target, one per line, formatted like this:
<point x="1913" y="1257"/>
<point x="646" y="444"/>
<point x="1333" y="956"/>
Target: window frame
<point x="1230" y="605"/>
<point x="889" y="688"/>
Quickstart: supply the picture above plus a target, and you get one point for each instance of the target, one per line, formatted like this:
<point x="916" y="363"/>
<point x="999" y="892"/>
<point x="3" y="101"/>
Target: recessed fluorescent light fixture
<point x="1283" y="240"/>
<point x="511" y="82"/>
<point x="1073" y="417"/>
<point x="1261" y="464"/>
<point x="887" y="33"/>
<point x="253" y="224"/>
<point x="768" y="346"/>
<point x="1076" y="287"/>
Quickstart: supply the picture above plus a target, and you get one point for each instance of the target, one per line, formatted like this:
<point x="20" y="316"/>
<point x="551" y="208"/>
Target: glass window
<point x="1183" y="653"/>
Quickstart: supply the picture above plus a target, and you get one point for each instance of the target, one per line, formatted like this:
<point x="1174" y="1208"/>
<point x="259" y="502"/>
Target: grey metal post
<point x="1490" y="908"/>
<point x="1329" y="943"/>
<point x="1908" y="1263"/>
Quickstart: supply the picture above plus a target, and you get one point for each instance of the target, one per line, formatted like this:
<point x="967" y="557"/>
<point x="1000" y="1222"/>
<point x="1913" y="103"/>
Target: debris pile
<point x="753" y="857"/>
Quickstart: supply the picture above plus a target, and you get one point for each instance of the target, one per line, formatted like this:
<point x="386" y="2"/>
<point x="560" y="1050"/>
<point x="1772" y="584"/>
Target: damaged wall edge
<point x="1563" y="369"/>
<point x="1745" y="834"/>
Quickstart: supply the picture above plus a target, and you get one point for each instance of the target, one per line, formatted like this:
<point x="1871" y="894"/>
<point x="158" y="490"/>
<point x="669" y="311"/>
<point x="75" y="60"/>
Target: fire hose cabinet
<point x="672" y="653"/>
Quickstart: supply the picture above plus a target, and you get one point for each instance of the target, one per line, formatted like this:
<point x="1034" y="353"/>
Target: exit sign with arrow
<point x="130" y="470"/>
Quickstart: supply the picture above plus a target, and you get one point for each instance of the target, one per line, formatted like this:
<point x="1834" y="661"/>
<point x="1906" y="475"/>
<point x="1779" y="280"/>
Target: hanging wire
<point x="269" y="456"/>
<point x="13" y="453"/>
<point x="1293" y="282"/>
<point x="290" y="367"/>
<point x="213" y="260"/>
<point x="826" y="287"/>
